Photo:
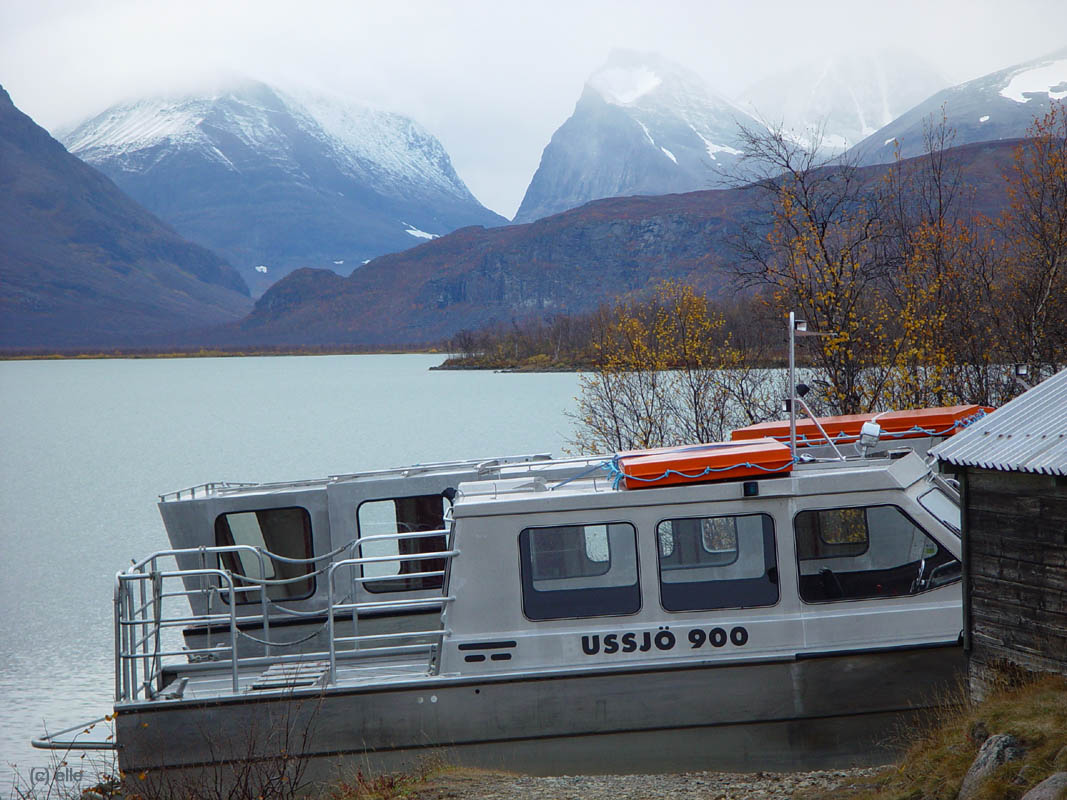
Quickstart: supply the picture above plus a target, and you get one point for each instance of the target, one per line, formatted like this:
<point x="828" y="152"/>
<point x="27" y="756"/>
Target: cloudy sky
<point x="491" y="78"/>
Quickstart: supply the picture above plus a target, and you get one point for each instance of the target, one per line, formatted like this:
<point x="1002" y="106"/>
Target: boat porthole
<point x="433" y="698"/>
<point x="477" y="691"/>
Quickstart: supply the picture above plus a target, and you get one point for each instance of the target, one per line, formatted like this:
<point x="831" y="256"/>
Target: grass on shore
<point x="940" y="753"/>
<point x="427" y="778"/>
<point x="936" y="758"/>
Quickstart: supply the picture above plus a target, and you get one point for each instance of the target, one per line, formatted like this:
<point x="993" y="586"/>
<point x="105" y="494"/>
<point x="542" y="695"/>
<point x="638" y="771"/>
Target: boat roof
<point x="600" y="489"/>
<point x="489" y="466"/>
<point x="907" y="424"/>
<point x="756" y="451"/>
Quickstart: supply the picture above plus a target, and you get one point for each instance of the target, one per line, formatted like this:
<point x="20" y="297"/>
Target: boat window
<point x="867" y="552"/>
<point x="579" y="571"/>
<point x="284" y="532"/>
<point x="943" y="507"/>
<point x="402" y="515"/>
<point x="717" y="562"/>
<point x="833" y="534"/>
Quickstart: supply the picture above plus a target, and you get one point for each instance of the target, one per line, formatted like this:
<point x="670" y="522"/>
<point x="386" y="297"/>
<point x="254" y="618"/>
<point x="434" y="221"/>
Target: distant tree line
<point x="920" y="299"/>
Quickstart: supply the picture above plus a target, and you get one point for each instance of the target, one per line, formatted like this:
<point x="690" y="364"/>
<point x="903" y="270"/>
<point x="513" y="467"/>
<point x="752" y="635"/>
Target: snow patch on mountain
<point x="393" y="153"/>
<point x="398" y="146"/>
<point x="999" y="105"/>
<point x="642" y="125"/>
<point x="413" y="231"/>
<point x="138" y="126"/>
<point x="713" y="148"/>
<point x="289" y="178"/>
<point x="648" y="135"/>
<point x="1049" y="78"/>
<point x="623" y="85"/>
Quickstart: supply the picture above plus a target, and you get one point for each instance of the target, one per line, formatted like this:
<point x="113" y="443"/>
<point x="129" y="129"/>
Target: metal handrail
<point x="206" y="488"/>
<point x="144" y="588"/>
<point x="138" y="640"/>
<point x="331" y="637"/>
<point x="48" y="741"/>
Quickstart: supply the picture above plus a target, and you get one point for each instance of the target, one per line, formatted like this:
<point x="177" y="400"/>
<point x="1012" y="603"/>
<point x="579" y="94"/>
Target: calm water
<point x="85" y="447"/>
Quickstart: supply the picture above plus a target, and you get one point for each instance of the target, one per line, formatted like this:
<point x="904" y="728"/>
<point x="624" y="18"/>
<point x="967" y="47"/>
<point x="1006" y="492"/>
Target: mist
<point x="492" y="80"/>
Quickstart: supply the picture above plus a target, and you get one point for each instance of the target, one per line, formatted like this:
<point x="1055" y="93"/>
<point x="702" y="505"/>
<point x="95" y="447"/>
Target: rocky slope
<point x="568" y="262"/>
<point x="1001" y="105"/>
<point x="82" y="265"/>
<point x="276" y="181"/>
<point x="641" y="126"/>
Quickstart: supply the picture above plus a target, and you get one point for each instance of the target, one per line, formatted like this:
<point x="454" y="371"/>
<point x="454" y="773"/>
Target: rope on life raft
<point x="914" y="429"/>
<point x="618" y="474"/>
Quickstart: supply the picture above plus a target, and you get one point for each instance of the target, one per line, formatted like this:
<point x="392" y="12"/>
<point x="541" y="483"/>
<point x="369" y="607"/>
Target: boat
<point x="750" y="604"/>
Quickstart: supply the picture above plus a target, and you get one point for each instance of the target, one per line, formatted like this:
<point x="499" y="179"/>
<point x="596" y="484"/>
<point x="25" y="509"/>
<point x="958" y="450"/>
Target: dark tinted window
<point x="871" y="551"/>
<point x="717" y="562"/>
<point x="579" y="571"/>
<point x="832" y="534"/>
<point x="403" y="515"/>
<point x="280" y="531"/>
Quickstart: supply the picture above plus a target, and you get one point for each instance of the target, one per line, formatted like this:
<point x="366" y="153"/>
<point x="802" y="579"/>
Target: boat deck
<point x="205" y="682"/>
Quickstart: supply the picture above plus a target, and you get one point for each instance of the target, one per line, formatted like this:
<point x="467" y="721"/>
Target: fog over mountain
<point x="842" y="99"/>
<point x="643" y="125"/>
<point x="1001" y="105"/>
<point x="274" y="181"/>
<point x="491" y="80"/>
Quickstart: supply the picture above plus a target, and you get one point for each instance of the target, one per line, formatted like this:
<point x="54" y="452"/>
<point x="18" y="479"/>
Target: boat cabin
<point x="817" y="560"/>
<point x="277" y="538"/>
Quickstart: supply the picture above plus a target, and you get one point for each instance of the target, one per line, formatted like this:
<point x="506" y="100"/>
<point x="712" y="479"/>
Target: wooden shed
<point x="1012" y="467"/>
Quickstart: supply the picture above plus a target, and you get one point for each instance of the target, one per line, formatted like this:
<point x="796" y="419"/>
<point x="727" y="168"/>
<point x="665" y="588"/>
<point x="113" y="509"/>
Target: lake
<point x="86" y="446"/>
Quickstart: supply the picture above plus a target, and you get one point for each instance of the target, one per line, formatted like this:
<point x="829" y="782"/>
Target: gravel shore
<point x="475" y="785"/>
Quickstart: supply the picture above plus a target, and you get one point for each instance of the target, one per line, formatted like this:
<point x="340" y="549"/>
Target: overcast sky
<point x="492" y="79"/>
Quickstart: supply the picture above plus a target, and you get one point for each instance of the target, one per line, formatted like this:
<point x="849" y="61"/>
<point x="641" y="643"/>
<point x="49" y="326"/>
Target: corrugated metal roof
<point x="1029" y="434"/>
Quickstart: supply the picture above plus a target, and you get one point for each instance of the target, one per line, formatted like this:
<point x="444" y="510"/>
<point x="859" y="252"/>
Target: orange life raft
<point x="912" y="424"/>
<point x="697" y="463"/>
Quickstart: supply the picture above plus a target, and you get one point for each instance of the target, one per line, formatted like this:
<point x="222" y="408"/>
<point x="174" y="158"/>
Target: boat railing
<point x="203" y="490"/>
<point x="154" y="595"/>
<point x="356" y="576"/>
<point x="480" y="465"/>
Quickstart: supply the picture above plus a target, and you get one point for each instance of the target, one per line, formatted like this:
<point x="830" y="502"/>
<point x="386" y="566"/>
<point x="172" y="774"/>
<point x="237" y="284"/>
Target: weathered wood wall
<point x="1015" y="573"/>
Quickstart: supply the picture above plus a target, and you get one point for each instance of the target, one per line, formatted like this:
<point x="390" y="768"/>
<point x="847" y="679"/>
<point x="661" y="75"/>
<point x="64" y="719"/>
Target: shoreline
<point x="459" y="783"/>
<point x="118" y="353"/>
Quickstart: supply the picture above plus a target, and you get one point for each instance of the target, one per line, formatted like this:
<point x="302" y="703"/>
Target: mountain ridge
<point x="275" y="181"/>
<point x="81" y="264"/>
<point x="642" y="125"/>
<point x="997" y="106"/>
<point x="564" y="263"/>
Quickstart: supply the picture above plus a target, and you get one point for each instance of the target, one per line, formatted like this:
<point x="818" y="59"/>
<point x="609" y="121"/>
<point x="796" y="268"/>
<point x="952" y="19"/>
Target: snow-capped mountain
<point x="843" y="99"/>
<point x="641" y="126"/>
<point x="274" y="181"/>
<point x="1001" y="105"/>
